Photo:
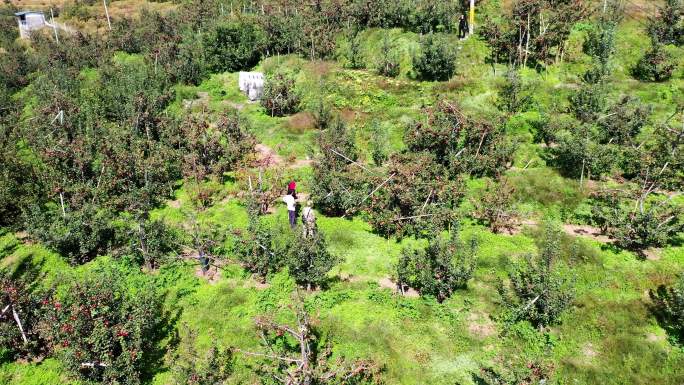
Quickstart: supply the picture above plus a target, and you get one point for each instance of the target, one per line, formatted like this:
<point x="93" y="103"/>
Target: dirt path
<point x="389" y="284"/>
<point x="267" y="157"/>
<point x="586" y="231"/>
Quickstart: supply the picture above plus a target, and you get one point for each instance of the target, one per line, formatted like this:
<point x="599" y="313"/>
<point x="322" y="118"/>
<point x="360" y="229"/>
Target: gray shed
<point x="30" y="21"/>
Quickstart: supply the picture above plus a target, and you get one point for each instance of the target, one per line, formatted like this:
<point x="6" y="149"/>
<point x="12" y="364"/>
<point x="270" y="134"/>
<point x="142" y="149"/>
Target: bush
<point x="153" y="243"/>
<point x="102" y="330"/>
<point x="462" y="144"/>
<point x="668" y="27"/>
<point x="20" y="306"/>
<point x="537" y="291"/>
<point x="439" y="270"/>
<point x="388" y="65"/>
<point x="638" y="228"/>
<point x="418" y="199"/>
<point x="190" y="367"/>
<point x="668" y="306"/>
<point x="337" y="186"/>
<point x="258" y="249"/>
<point x="379" y="143"/>
<point x="494" y="206"/>
<point x="589" y="102"/>
<point x="233" y="46"/>
<point x="579" y="154"/>
<point x="514" y="94"/>
<point x="78" y="234"/>
<point x="436" y="60"/>
<point x="657" y="65"/>
<point x="624" y="121"/>
<point x="308" y="259"/>
<point x="280" y="97"/>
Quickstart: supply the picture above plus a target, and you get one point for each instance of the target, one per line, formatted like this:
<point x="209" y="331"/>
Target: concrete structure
<point x="252" y="84"/>
<point x="30" y="21"/>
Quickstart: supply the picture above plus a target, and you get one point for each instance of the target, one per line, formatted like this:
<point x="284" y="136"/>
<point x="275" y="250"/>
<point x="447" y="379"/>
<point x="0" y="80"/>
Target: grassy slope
<point x="608" y="337"/>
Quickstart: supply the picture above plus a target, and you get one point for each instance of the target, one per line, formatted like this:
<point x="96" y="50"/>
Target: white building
<point x="252" y="84"/>
<point x="30" y="21"/>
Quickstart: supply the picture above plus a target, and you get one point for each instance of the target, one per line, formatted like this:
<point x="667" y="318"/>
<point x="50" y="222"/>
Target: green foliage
<point x="443" y="267"/>
<point x="322" y="114"/>
<point x="624" y="121"/>
<point x="20" y="302"/>
<point x="308" y="259"/>
<point x="436" y="59"/>
<point x="667" y="27"/>
<point x="418" y="199"/>
<point x="233" y="46"/>
<point x="514" y="95"/>
<point x="192" y="368"/>
<point x="494" y="205"/>
<point x="460" y="143"/>
<point x="532" y="32"/>
<point x="657" y="65"/>
<point x="537" y="290"/>
<point x="101" y="330"/>
<point x="668" y="306"/>
<point x="578" y="153"/>
<point x="78" y="234"/>
<point x="258" y="249"/>
<point x="280" y="96"/>
<point x="388" y="65"/>
<point x="337" y="187"/>
<point x="153" y="243"/>
<point x="210" y="152"/>
<point x="638" y="227"/>
<point x="588" y="103"/>
<point x="379" y="143"/>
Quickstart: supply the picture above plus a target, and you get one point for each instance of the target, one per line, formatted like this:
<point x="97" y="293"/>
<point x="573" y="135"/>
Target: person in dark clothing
<point x="462" y="26"/>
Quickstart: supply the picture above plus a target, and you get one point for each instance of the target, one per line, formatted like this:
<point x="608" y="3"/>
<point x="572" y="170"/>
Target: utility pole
<point x="471" y="21"/>
<point x="109" y="23"/>
<point x="54" y="26"/>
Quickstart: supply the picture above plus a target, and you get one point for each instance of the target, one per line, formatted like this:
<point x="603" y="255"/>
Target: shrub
<point x="436" y="59"/>
<point x="657" y="65"/>
<point x="153" y="243"/>
<point x="418" y="198"/>
<point x="210" y="152"/>
<point x="667" y="27"/>
<point x="513" y="94"/>
<point x="337" y="186"/>
<point x="233" y="46"/>
<point x="589" y="102"/>
<point x="308" y="259"/>
<point x="103" y="330"/>
<point x="624" y="121"/>
<point x="494" y="206"/>
<point x="22" y="310"/>
<point x="258" y="249"/>
<point x="280" y="97"/>
<point x="537" y="291"/>
<point x="190" y="367"/>
<point x="439" y="270"/>
<point x="78" y="234"/>
<point x="668" y="306"/>
<point x="388" y="65"/>
<point x="379" y="143"/>
<point x="322" y="113"/>
<point x="579" y="154"/>
<point x="460" y="143"/>
<point x="638" y="227"/>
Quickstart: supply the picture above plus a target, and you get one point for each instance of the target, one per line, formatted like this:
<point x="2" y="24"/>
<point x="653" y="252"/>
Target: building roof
<point x="22" y="13"/>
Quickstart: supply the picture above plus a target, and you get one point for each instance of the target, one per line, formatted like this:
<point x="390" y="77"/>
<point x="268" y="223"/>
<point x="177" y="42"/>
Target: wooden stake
<point x="109" y="22"/>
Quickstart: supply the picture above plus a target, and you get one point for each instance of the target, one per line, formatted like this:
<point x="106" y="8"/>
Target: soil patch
<point x="480" y="325"/>
<point x="266" y="156"/>
<point x="389" y="284"/>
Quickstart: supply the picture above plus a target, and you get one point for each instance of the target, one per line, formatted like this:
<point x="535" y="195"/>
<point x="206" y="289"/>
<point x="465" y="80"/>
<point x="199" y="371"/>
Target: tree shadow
<point x="166" y="338"/>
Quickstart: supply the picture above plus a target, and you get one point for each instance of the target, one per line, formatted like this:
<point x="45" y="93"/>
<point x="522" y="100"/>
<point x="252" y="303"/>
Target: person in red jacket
<point x="292" y="188"/>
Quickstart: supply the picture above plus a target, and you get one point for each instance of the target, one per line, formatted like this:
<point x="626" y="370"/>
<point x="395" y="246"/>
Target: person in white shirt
<point x="290" y="202"/>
